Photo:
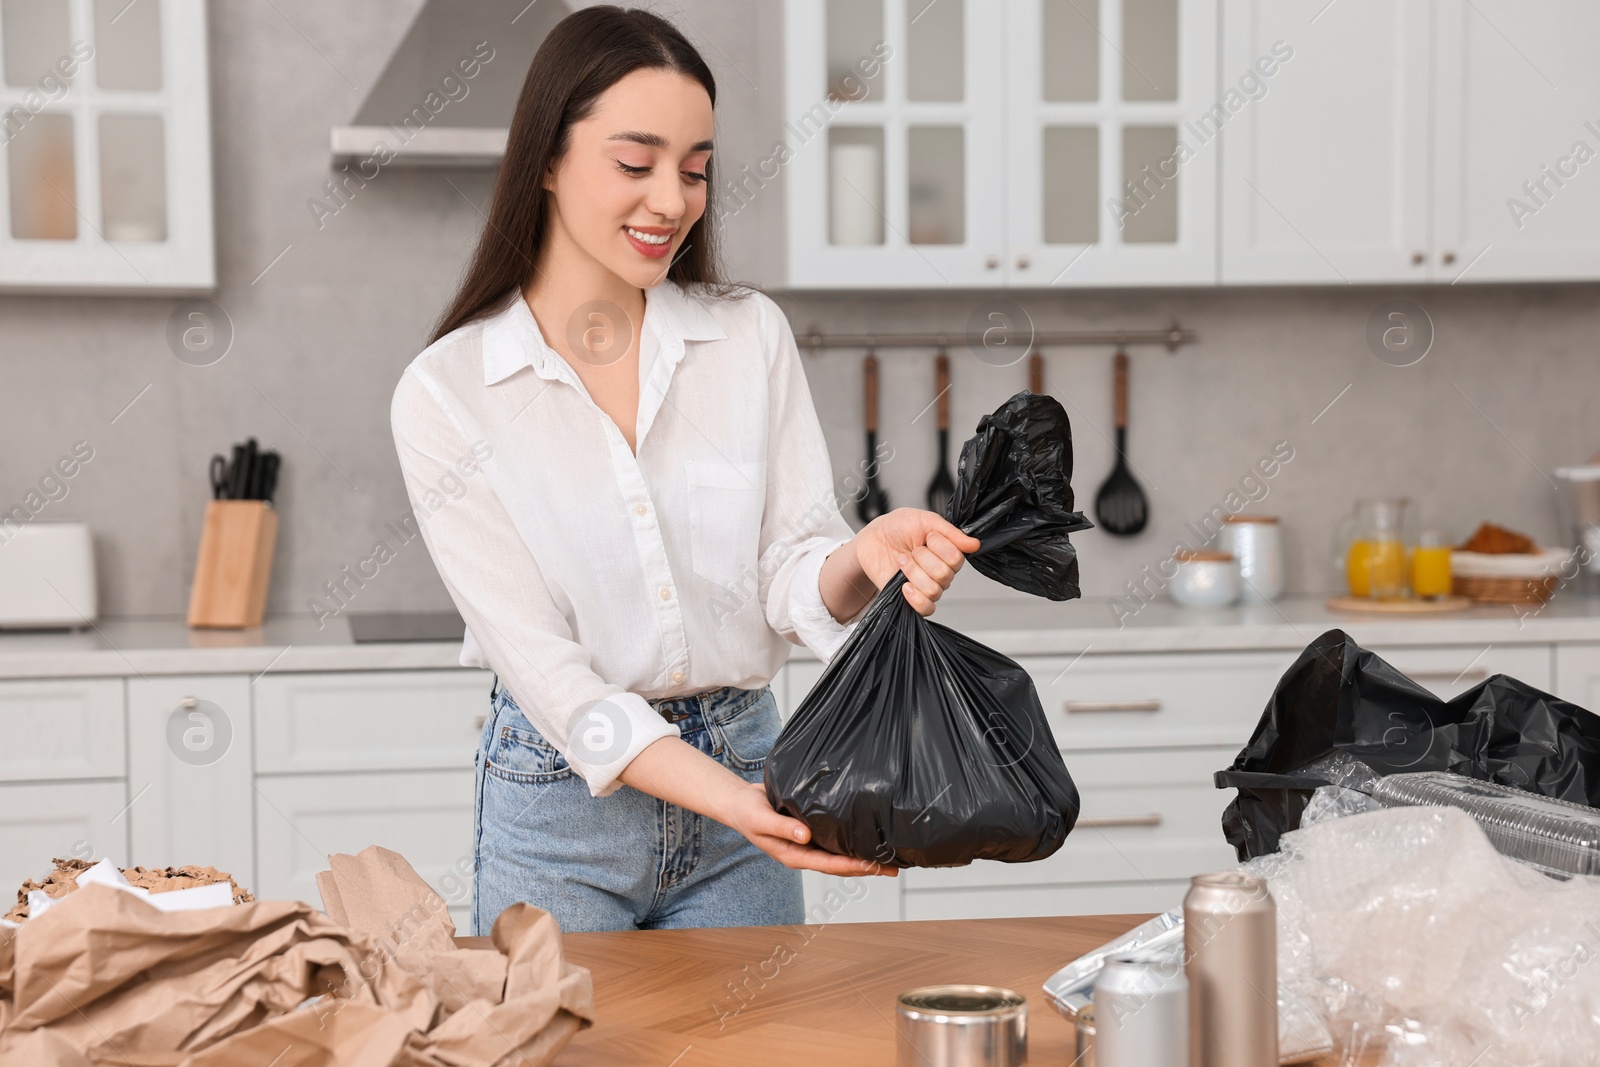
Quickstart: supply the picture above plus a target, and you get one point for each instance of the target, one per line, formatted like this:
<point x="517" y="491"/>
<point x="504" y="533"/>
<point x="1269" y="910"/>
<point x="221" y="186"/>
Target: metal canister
<point x="1084" y="1026"/>
<point x="1141" y="1010"/>
<point x="1230" y="947"/>
<point x="962" y="1026"/>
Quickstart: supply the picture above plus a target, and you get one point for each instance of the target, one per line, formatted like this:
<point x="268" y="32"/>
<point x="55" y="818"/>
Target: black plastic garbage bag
<point x="920" y="747"/>
<point x="1340" y="698"/>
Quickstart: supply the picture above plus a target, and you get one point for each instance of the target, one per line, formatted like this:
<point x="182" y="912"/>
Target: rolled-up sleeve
<point x="801" y="524"/>
<point x="499" y="589"/>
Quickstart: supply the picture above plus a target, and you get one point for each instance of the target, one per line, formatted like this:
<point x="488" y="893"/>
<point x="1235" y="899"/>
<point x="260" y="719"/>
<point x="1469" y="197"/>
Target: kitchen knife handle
<point x="869" y="369"/>
<point x="941" y="385"/>
<point x="1121" y="364"/>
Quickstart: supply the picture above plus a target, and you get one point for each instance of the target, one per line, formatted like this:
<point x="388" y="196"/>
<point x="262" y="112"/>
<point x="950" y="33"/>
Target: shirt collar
<point x="511" y="338"/>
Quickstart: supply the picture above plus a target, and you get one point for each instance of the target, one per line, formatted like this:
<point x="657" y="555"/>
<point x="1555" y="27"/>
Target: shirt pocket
<point x="726" y="502"/>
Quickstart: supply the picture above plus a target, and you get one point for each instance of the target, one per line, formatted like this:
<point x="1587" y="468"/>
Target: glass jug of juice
<point x="1369" y="547"/>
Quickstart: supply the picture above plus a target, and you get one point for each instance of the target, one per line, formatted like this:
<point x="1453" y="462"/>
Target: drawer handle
<point x="478" y="721"/>
<point x="1473" y="674"/>
<point x="1110" y="821"/>
<point x="1111" y="705"/>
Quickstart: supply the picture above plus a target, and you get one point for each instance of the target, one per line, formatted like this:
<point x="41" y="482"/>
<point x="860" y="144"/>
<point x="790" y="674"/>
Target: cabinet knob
<point x="478" y="721"/>
<point x="1418" y="259"/>
<point x="1448" y="257"/>
<point x="189" y="703"/>
<point x="1022" y="262"/>
<point x="991" y="262"/>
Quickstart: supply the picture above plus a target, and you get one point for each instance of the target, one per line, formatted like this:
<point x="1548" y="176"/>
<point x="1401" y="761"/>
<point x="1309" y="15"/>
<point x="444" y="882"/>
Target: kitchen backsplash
<point x="325" y="310"/>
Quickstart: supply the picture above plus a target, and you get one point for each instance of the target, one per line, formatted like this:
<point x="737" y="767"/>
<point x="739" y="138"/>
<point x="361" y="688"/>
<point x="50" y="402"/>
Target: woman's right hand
<point x="787" y="840"/>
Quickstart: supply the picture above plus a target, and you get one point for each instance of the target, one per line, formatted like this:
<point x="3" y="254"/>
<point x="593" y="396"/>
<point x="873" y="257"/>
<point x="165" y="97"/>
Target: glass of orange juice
<point x="1430" y="566"/>
<point x="1376" y="568"/>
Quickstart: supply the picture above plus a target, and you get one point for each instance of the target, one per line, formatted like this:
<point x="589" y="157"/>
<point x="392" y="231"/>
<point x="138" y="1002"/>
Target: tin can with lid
<point x="1230" y="945"/>
<point x="1257" y="546"/>
<point x="962" y="1026"/>
<point x="1141" y="1009"/>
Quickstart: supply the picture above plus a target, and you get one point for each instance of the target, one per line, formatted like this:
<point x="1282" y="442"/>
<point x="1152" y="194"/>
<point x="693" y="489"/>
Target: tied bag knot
<point x="918" y="746"/>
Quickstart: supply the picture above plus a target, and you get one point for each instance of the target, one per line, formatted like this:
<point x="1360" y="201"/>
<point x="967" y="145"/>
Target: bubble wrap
<point x="1411" y="938"/>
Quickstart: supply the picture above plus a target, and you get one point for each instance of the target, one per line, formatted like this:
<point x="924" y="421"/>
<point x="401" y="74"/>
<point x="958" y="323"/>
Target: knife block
<point x="234" y="565"/>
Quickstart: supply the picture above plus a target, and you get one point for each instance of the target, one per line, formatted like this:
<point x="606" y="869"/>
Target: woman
<point x="642" y="518"/>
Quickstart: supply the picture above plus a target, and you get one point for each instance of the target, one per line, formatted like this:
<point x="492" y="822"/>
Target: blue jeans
<point x="628" y="860"/>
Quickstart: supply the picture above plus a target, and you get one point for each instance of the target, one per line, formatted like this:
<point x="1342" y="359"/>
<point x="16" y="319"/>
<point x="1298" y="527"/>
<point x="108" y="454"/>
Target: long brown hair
<point x="584" y="55"/>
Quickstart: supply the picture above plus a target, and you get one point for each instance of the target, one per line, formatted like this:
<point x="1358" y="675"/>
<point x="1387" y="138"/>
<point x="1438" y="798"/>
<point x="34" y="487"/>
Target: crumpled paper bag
<point x="105" y="979"/>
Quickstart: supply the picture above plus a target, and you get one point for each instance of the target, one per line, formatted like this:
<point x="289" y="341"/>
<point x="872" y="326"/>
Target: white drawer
<point x="369" y="720"/>
<point x="1132" y="701"/>
<point x="1448" y="670"/>
<point x="1151" y="815"/>
<point x="1578" y="675"/>
<point x="426" y="816"/>
<point x="1018" y="902"/>
<point x="802" y="674"/>
<point x="70" y="820"/>
<point x="62" y="728"/>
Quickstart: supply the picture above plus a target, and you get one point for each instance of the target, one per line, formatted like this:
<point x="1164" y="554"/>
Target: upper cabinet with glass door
<point x="105" y="147"/>
<point x="897" y="173"/>
<point x="1111" y="115"/>
<point x="1000" y="142"/>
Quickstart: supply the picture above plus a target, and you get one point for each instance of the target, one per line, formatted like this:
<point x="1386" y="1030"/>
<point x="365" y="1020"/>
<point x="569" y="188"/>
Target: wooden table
<point x="787" y="996"/>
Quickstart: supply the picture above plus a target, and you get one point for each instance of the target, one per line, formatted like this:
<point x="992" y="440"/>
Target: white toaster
<point x="46" y="574"/>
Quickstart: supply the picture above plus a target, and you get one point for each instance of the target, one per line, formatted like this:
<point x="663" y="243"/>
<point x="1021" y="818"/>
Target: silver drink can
<point x="1141" y="1011"/>
<point x="1230" y="948"/>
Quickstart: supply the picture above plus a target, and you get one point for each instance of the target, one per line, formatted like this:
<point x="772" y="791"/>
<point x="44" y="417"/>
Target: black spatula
<point x="1120" y="505"/>
<point x="943" y="486"/>
<point x="875" y="501"/>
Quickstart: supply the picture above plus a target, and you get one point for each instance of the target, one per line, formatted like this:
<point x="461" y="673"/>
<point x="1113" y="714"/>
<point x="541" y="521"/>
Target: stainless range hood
<point x="447" y="94"/>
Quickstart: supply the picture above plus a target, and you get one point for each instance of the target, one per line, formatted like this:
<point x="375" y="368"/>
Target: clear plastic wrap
<point x="1409" y="938"/>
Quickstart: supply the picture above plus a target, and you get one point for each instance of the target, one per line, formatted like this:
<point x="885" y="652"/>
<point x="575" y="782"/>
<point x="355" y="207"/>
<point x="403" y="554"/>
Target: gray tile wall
<point x="1511" y="388"/>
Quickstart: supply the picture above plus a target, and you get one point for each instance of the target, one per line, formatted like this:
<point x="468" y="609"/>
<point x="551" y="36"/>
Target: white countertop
<point x="153" y="646"/>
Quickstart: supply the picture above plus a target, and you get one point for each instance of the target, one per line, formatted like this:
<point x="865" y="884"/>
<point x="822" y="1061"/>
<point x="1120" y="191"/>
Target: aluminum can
<point x="962" y="1026"/>
<point x="1230" y="947"/>
<point x="1141" y="1010"/>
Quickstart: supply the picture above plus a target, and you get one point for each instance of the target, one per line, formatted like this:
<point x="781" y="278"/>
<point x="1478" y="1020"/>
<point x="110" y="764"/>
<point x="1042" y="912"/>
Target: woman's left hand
<point x="926" y="545"/>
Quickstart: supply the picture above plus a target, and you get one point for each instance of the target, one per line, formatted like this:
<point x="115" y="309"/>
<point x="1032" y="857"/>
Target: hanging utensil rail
<point x="1172" y="338"/>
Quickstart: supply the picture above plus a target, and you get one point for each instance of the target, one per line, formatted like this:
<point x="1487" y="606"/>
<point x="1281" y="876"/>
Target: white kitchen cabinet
<point x="1516" y="140"/>
<point x="1020" y="143"/>
<point x="41" y="821"/>
<point x="1449" y="670"/>
<point x="58" y="729"/>
<point x="369" y="720"/>
<point x="1412" y="141"/>
<point x="1025" y="901"/>
<point x="897" y="176"/>
<point x="190" y="774"/>
<point x="1325" y="176"/>
<point x="105" y="148"/>
<point x="1578" y="675"/>
<point x="1148" y="815"/>
<point x="1107" y="180"/>
<point x="426" y="816"/>
<point x="1155" y="700"/>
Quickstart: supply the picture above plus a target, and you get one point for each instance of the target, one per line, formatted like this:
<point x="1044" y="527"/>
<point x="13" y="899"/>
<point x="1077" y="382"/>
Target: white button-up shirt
<point x="586" y="573"/>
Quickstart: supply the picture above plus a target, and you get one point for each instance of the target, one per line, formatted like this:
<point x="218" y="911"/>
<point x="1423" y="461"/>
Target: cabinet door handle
<point x="1022" y="262"/>
<point x="1448" y="257"/>
<point x="478" y="721"/>
<point x="1110" y="821"/>
<point x="991" y="262"/>
<point x="1072" y="706"/>
<point x="1418" y="259"/>
<point x="1472" y="674"/>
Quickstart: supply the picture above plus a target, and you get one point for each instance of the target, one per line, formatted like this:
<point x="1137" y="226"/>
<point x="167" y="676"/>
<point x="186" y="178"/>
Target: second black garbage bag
<point x="1340" y="703"/>
<point x="918" y="746"/>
